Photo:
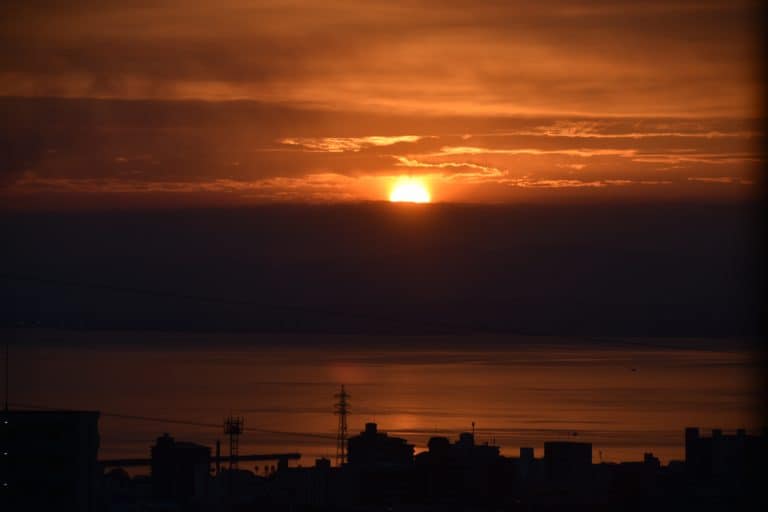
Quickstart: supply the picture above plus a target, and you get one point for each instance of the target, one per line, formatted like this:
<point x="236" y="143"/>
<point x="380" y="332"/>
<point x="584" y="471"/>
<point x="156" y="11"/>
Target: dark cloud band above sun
<point x="307" y="100"/>
<point x="608" y="57"/>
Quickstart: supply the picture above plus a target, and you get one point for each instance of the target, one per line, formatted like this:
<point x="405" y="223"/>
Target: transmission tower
<point x="233" y="427"/>
<point x="341" y="409"/>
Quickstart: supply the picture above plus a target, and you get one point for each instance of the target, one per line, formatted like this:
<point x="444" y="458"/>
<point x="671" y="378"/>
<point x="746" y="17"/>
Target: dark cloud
<point x="274" y="100"/>
<point x="663" y="268"/>
<point x="18" y="152"/>
<point x="617" y="57"/>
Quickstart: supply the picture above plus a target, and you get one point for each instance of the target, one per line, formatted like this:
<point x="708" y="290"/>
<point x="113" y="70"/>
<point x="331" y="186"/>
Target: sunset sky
<point x="235" y="102"/>
<point x="591" y="261"/>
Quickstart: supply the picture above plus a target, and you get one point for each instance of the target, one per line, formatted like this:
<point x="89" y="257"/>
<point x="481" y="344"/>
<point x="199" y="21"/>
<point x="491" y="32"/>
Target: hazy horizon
<point x="519" y="391"/>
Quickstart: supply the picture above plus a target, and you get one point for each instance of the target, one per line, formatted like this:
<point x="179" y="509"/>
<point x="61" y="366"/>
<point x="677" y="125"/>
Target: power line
<point x="453" y="327"/>
<point x="173" y="421"/>
<point x="389" y="320"/>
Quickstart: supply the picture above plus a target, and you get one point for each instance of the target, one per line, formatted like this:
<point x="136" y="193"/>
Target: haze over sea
<point x="627" y="396"/>
<point x="618" y="322"/>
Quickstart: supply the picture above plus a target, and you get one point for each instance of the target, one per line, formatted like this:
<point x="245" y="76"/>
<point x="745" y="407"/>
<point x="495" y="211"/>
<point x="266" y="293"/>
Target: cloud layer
<point x="618" y="57"/>
<point x="305" y="100"/>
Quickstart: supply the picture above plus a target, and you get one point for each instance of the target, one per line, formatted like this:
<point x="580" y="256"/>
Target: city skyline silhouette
<point x="383" y="256"/>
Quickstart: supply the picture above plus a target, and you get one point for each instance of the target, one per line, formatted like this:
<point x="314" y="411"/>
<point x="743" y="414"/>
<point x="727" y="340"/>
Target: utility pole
<point x="341" y="409"/>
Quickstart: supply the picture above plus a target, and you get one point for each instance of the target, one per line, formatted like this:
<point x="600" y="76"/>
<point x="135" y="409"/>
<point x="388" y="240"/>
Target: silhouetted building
<point x="49" y="460"/>
<point x="180" y="470"/>
<point x="118" y="489"/>
<point x="464" y="450"/>
<point x="382" y="474"/>
<point x="374" y="448"/>
<point x="726" y="460"/>
<point x="467" y="448"/>
<point x="304" y="487"/>
<point x="462" y="472"/>
<point x="378" y="471"/>
<point x="237" y="487"/>
<point x="525" y="462"/>
<point x="629" y="480"/>
<point x="567" y="461"/>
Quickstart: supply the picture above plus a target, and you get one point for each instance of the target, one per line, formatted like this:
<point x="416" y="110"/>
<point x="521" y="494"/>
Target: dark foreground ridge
<point x="50" y="462"/>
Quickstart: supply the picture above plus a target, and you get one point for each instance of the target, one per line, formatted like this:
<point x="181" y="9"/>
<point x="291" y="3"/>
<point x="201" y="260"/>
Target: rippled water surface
<point x="627" y="397"/>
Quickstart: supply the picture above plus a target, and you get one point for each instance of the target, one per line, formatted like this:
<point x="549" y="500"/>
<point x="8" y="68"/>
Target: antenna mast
<point x="341" y="409"/>
<point x="233" y="427"/>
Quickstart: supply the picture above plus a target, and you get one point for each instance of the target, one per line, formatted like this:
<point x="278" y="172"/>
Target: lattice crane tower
<point x="342" y="410"/>
<point x="233" y="427"/>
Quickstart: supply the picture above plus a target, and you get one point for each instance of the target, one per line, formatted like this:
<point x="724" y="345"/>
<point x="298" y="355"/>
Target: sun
<point x="409" y="190"/>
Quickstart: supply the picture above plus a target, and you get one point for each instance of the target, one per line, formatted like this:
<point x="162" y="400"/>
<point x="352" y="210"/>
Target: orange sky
<point x="231" y="102"/>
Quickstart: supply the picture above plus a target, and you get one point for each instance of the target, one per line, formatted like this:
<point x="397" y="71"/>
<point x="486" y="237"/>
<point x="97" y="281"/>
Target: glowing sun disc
<point x="409" y="191"/>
